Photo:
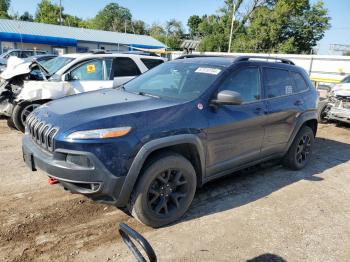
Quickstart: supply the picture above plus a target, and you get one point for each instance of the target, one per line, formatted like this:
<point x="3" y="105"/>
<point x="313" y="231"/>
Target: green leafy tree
<point x="4" y="7"/>
<point x="286" y="27"/>
<point x="139" y="27"/>
<point x="113" y="17"/>
<point x="70" y="20"/>
<point x="48" y="13"/>
<point x="26" y="16"/>
<point x="193" y="24"/>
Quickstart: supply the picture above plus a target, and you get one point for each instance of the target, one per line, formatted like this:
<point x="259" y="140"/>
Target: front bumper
<point x="339" y="114"/>
<point x="94" y="181"/>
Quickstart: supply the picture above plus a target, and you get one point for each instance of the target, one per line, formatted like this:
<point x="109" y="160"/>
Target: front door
<point x="89" y="76"/>
<point x="236" y="132"/>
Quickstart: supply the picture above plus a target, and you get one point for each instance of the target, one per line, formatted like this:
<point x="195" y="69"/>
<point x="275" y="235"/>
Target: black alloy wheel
<point x="167" y="191"/>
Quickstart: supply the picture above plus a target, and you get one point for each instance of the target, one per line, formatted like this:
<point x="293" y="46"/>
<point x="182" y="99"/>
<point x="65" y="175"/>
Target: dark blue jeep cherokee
<point x="149" y="144"/>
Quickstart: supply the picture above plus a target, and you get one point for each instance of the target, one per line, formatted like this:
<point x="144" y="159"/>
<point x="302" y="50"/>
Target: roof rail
<point x="99" y="51"/>
<point x="246" y="58"/>
<point x="195" y="56"/>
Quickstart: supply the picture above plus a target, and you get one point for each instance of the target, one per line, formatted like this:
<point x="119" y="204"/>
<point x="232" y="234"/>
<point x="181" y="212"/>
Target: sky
<point x="160" y="11"/>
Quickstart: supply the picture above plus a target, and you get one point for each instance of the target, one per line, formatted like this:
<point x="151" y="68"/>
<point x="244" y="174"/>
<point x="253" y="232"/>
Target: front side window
<point x="277" y="82"/>
<point x="88" y="71"/>
<point x="175" y="80"/>
<point x="244" y="81"/>
<point x="124" y="66"/>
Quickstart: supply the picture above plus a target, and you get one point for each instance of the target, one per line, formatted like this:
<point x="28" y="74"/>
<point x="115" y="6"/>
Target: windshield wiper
<point x="141" y="93"/>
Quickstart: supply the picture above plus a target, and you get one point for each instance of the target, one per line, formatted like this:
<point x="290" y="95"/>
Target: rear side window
<point x="300" y="84"/>
<point x="277" y="82"/>
<point x="124" y="66"/>
<point x="150" y="63"/>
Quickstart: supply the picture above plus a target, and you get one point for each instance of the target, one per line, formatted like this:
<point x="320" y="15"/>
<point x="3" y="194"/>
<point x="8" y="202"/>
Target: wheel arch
<point x="187" y="145"/>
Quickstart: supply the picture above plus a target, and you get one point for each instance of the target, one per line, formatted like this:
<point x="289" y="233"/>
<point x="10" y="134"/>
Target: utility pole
<point x="61" y="12"/>
<point x="232" y="22"/>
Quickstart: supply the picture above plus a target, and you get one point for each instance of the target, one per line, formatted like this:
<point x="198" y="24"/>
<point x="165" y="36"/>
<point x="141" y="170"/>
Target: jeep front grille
<point x="40" y="132"/>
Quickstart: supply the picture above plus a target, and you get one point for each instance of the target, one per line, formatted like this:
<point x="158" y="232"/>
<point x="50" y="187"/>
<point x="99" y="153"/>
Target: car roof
<point x="92" y="55"/>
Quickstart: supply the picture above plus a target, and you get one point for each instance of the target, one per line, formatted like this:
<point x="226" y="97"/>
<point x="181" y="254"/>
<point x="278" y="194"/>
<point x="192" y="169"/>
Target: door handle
<point x="299" y="102"/>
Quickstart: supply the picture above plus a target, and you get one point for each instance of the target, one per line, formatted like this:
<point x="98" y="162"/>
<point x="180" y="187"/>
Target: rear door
<point x="236" y="132"/>
<point x="285" y="103"/>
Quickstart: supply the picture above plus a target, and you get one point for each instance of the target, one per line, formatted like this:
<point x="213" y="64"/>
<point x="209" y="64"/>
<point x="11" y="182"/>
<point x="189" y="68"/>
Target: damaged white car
<point x="337" y="106"/>
<point x="68" y="75"/>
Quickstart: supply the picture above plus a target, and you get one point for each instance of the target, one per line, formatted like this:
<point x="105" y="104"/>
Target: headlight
<point x="100" y="133"/>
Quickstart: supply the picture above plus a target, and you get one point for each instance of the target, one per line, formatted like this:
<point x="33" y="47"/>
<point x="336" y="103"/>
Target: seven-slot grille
<point x="40" y="132"/>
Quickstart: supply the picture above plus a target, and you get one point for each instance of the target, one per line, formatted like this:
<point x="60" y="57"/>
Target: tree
<point x="113" y="17"/>
<point x="26" y="16"/>
<point x="48" y="13"/>
<point x="265" y="26"/>
<point x="286" y="27"/>
<point x="4" y="7"/>
<point x="346" y="53"/>
<point x="193" y="24"/>
<point x="139" y="27"/>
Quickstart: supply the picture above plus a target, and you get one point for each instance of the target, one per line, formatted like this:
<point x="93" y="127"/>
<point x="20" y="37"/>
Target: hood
<point x="341" y="86"/>
<point x="98" y="109"/>
<point x="15" y="70"/>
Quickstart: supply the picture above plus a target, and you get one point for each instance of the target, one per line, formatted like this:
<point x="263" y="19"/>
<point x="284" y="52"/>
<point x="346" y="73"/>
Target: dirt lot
<point x="265" y="213"/>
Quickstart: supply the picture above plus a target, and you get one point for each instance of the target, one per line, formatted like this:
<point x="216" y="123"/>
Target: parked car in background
<point x="18" y="53"/>
<point x="336" y="107"/>
<point x="150" y="143"/>
<point x="73" y="74"/>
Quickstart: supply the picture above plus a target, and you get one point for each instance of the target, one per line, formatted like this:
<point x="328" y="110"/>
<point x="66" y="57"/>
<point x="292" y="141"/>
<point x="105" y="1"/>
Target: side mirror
<point x="66" y="77"/>
<point x="228" y="97"/>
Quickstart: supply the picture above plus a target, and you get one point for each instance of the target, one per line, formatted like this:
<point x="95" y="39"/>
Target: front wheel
<point x="21" y="112"/>
<point x="165" y="190"/>
<point x="299" y="153"/>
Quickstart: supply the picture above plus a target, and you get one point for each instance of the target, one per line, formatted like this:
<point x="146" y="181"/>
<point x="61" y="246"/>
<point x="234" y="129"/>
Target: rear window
<point x="124" y="66"/>
<point x="300" y="84"/>
<point x="277" y="82"/>
<point x="150" y="63"/>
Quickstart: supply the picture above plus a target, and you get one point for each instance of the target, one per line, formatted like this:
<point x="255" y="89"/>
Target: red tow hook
<point x="53" y="181"/>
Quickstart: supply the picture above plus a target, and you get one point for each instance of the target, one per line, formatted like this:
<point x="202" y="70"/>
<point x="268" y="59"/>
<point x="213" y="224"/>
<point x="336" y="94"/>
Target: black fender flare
<point x="146" y="150"/>
<point x="302" y="119"/>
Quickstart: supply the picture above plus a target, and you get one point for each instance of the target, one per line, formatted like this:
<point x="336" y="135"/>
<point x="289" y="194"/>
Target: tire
<point x="299" y="153"/>
<point x="164" y="191"/>
<point x="21" y="112"/>
<point x="10" y="123"/>
<point x="323" y="108"/>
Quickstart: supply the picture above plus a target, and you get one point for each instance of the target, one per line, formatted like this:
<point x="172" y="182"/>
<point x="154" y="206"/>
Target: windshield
<point x="175" y="80"/>
<point x="57" y="63"/>
<point x="346" y="80"/>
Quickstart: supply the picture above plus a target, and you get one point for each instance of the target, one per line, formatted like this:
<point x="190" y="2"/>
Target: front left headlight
<point x="100" y="133"/>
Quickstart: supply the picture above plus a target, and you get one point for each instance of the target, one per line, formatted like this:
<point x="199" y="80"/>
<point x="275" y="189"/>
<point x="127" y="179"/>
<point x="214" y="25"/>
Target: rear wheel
<point x="300" y="151"/>
<point x="21" y="112"/>
<point x="165" y="190"/>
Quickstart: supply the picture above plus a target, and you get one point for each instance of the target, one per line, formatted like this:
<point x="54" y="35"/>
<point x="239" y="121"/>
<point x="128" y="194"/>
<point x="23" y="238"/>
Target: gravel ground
<point x="266" y="213"/>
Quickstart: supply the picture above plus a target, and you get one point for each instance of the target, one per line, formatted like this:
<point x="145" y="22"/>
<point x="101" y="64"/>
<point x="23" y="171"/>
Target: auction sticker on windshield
<point x="208" y="70"/>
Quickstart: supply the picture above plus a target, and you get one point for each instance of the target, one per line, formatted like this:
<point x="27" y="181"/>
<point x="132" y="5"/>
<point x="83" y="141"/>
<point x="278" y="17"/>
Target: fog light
<point x="79" y="160"/>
